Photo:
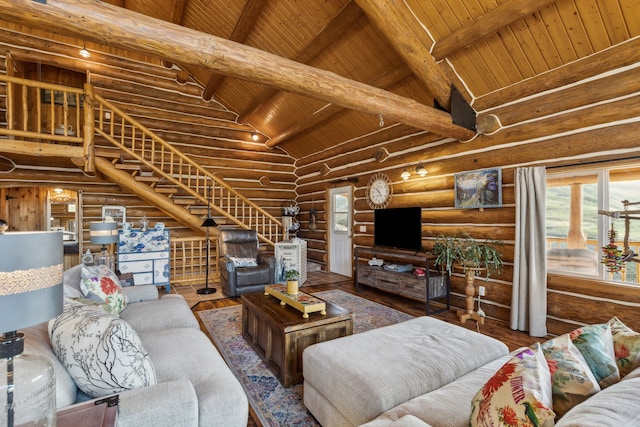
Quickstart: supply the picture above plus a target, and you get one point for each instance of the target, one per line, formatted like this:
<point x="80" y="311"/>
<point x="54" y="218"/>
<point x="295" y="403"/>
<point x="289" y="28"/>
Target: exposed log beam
<point x="397" y="23"/>
<point x="383" y="81"/>
<point x="108" y="25"/>
<point x="248" y="18"/>
<point x="489" y="23"/>
<point x="344" y="19"/>
<point x="176" y="18"/>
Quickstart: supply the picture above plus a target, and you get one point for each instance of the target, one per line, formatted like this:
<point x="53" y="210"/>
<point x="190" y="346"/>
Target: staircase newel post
<point x="89" y="129"/>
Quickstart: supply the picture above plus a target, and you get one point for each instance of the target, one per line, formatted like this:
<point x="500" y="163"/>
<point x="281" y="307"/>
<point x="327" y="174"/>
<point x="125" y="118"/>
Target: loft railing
<point x="631" y="273"/>
<point x="140" y="143"/>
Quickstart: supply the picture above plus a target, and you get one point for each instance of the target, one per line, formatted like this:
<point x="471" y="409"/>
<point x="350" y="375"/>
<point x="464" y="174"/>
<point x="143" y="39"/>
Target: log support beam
<point x="108" y="25"/>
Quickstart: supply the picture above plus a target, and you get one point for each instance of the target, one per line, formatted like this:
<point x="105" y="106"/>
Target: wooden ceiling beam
<point x="489" y="23"/>
<point x="108" y="25"/>
<point x="405" y="33"/>
<point x="385" y="80"/>
<point x="344" y="19"/>
<point x="250" y="14"/>
<point x="175" y="17"/>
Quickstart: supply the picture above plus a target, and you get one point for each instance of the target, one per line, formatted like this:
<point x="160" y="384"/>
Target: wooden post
<point x="470" y="292"/>
<point x="88" y="130"/>
<point x="575" y="237"/>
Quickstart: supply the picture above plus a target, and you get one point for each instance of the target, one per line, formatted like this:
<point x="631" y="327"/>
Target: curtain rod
<point x="595" y="162"/>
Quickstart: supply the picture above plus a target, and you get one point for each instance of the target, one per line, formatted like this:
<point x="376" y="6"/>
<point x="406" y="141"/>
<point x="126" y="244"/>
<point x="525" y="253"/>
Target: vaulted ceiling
<point x="318" y="73"/>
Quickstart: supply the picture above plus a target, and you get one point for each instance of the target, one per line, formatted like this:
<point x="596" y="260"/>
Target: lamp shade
<point x="31" y="268"/>
<point x="103" y="233"/>
<point x="209" y="222"/>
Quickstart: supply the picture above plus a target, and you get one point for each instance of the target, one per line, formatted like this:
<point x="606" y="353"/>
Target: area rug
<point x="273" y="404"/>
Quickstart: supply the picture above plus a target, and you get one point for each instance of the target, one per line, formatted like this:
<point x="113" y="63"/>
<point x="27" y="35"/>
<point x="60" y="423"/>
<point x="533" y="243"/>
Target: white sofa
<point x="425" y="372"/>
<point x="194" y="385"/>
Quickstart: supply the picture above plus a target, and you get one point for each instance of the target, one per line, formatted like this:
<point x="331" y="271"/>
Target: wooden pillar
<point x="575" y="237"/>
<point x="89" y="130"/>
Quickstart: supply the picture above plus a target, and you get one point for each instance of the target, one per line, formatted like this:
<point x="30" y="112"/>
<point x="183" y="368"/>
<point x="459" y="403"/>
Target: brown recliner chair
<point x="243" y="267"/>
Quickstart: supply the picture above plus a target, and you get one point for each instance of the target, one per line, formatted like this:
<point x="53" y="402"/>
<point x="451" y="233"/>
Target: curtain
<point x="529" y="296"/>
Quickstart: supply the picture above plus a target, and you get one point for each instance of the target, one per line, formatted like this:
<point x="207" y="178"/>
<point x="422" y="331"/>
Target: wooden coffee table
<point x="279" y="334"/>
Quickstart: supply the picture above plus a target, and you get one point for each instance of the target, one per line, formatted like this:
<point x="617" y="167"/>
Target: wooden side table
<point x="279" y="334"/>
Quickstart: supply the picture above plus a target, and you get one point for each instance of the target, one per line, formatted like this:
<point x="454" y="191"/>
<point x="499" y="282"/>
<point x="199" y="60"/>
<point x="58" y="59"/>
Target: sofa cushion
<point x="188" y="353"/>
<point x="615" y="406"/>
<point x="100" y="351"/>
<point x="518" y="394"/>
<point x="392" y="364"/>
<point x="71" y="280"/>
<point x="100" y="283"/>
<point x="572" y="379"/>
<point x="626" y="346"/>
<point x="595" y="342"/>
<point x="170" y="311"/>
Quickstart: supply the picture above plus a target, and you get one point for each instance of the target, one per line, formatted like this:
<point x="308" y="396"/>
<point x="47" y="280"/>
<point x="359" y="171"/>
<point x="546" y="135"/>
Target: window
<point x="578" y="225"/>
<point x="340" y="212"/>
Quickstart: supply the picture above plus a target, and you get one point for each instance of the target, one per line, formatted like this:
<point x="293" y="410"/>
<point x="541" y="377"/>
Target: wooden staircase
<point x="143" y="163"/>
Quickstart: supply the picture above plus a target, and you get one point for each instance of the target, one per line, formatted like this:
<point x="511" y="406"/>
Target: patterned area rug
<point x="274" y="404"/>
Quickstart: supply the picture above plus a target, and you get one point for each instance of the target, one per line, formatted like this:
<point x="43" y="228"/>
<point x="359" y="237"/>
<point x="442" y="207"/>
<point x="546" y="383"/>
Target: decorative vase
<point x="292" y="287"/>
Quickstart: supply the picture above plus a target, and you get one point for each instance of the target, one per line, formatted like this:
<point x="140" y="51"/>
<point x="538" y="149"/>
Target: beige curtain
<point x="529" y="296"/>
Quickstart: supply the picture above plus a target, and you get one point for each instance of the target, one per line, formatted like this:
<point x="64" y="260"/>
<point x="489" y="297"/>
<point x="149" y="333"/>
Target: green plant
<point x="466" y="252"/>
<point x="290" y="275"/>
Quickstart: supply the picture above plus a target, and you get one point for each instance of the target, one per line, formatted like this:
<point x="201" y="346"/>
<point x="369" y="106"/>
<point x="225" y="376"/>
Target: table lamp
<point x="104" y="233"/>
<point x="31" y="292"/>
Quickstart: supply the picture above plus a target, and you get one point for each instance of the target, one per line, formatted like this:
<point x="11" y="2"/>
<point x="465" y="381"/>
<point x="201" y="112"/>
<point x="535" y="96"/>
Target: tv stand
<point x="431" y="286"/>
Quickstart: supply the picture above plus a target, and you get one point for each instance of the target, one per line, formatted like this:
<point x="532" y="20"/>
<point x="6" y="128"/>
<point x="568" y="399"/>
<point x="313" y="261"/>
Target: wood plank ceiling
<point x="493" y="51"/>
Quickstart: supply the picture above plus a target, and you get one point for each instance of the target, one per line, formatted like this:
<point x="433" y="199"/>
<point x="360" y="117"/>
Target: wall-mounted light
<point x="84" y="52"/>
<point x="255" y="136"/>
<point x="420" y="170"/>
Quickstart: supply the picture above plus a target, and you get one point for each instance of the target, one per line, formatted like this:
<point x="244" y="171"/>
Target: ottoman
<point x="351" y="380"/>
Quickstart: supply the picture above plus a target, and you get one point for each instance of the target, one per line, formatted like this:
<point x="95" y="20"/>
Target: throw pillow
<point x="101" y="352"/>
<point x="101" y="284"/>
<point x="626" y="346"/>
<point x="519" y="394"/>
<point x="244" y="262"/>
<point x="571" y="377"/>
<point x="595" y="342"/>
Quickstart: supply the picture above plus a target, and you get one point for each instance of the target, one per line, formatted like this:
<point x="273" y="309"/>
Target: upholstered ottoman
<point x="349" y="381"/>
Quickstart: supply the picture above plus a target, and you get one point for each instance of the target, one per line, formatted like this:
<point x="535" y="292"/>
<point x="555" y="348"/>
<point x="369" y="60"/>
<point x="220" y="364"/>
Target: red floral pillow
<point x="626" y="346"/>
<point x="519" y="394"/>
<point x="101" y="284"/>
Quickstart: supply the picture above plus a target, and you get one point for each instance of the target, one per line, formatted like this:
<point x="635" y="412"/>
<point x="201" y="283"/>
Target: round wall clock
<point x="379" y="191"/>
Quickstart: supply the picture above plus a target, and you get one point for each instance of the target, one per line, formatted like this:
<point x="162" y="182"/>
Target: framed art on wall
<point x="479" y="189"/>
<point x="114" y="213"/>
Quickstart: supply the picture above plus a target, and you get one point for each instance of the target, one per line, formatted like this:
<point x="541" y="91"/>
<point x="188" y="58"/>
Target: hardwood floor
<point x="320" y="281"/>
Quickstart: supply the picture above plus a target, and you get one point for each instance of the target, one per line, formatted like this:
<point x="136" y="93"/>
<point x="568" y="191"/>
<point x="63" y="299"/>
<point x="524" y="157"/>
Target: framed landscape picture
<point x="479" y="189"/>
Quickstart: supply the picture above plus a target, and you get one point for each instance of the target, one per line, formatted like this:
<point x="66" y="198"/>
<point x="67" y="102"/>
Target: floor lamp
<point x="208" y="223"/>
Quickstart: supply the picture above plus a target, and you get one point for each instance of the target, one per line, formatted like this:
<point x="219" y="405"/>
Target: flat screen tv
<point x="399" y="228"/>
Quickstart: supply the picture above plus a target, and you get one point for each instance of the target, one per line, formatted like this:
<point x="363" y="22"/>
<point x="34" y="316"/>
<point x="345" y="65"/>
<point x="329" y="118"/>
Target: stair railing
<point x="137" y="141"/>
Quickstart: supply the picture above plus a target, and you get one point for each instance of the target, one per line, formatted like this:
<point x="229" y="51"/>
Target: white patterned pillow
<point x="243" y="262"/>
<point x="99" y="283"/>
<point x="101" y="352"/>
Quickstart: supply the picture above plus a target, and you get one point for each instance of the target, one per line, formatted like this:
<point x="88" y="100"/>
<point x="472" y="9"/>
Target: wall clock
<point x="379" y="191"/>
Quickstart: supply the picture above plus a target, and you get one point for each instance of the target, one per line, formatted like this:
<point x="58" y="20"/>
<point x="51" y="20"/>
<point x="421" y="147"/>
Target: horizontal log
<point x="108" y="25"/>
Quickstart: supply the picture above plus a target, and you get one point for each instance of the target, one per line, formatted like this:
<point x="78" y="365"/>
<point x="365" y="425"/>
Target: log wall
<point x="156" y="97"/>
<point x="594" y="120"/>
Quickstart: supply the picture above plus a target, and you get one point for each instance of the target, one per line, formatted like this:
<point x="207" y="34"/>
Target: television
<point x="398" y="228"/>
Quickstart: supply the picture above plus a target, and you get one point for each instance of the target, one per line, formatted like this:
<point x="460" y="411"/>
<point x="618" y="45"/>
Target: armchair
<point x="239" y="274"/>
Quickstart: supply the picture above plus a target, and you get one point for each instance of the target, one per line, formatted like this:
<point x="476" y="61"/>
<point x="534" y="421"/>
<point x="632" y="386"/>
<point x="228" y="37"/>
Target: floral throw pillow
<point x="595" y="342"/>
<point x="572" y="379"/>
<point x="519" y="394"/>
<point x="101" y="352"/>
<point x="99" y="283"/>
<point x="626" y="346"/>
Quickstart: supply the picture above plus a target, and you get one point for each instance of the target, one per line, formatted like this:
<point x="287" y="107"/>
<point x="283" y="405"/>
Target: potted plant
<point x="471" y="256"/>
<point x="291" y="276"/>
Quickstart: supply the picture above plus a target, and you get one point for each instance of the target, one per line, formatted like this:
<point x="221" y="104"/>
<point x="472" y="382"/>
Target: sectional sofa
<point x="180" y="379"/>
<point x="425" y="372"/>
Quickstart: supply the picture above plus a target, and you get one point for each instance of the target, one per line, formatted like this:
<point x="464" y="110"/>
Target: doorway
<point x="340" y="234"/>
